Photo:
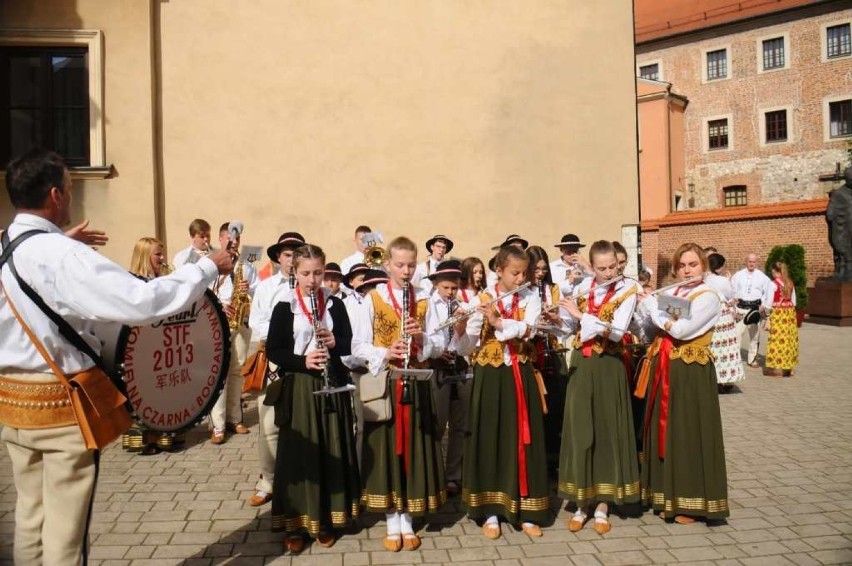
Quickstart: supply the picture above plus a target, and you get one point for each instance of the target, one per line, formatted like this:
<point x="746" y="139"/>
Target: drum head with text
<point x="172" y="371"/>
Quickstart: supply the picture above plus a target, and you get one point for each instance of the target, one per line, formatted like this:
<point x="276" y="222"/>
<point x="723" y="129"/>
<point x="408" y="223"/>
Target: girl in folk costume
<point x="683" y="463"/>
<point x="726" y="341"/>
<point x="505" y="465"/>
<point x="317" y="490"/>
<point x="473" y="279"/>
<point x="782" y="346"/>
<point x="550" y="362"/>
<point x="401" y="461"/>
<point x="598" y="462"/>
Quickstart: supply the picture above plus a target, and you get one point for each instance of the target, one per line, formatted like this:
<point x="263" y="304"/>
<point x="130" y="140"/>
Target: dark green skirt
<point x="691" y="480"/>
<point x="316" y="485"/>
<point x="598" y="461"/>
<point x="490" y="481"/>
<point x="388" y="483"/>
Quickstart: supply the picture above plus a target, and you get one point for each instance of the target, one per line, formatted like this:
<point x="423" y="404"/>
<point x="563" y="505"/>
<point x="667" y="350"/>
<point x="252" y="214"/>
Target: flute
<point x="463" y="315"/>
<point x="578" y="294"/>
<point x="673" y="285"/>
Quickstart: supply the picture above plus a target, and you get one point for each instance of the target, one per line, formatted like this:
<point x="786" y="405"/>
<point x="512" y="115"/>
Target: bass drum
<point x="173" y="371"/>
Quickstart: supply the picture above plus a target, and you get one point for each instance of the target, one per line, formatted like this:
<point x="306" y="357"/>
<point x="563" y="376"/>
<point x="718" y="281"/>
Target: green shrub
<point x="794" y="256"/>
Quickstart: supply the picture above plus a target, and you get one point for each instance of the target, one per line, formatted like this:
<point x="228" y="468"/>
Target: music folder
<point x="418" y="374"/>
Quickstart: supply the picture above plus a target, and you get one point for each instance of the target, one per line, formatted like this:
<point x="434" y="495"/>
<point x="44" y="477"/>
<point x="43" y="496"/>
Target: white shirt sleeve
<point x="704" y="312"/>
<point x="591" y="325"/>
<point x="362" y="338"/>
<point x="518" y="328"/>
<point x="90" y="286"/>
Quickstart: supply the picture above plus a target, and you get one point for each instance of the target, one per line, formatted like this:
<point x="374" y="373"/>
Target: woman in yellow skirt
<point x="782" y="347"/>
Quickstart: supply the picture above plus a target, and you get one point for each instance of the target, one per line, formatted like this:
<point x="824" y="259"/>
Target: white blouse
<point x="304" y="338"/>
<point x="704" y="313"/>
<point x="592" y="326"/>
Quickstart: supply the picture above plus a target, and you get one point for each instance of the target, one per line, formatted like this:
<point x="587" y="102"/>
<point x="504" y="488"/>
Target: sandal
<point x="491" y="530"/>
<point x="577" y="521"/>
<point x="294" y="544"/>
<point x="532" y="530"/>
<point x="393" y="543"/>
<point x="602" y="525"/>
<point x="326" y="539"/>
<point x="410" y="541"/>
<point x="683" y="520"/>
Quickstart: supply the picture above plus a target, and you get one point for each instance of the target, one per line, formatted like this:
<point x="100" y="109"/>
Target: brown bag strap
<point x="37" y="343"/>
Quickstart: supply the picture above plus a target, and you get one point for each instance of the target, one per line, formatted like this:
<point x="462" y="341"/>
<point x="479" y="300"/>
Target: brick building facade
<point x="769" y="122"/>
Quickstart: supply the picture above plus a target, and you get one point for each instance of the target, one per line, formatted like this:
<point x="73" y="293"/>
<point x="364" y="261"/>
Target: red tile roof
<point x="655" y="19"/>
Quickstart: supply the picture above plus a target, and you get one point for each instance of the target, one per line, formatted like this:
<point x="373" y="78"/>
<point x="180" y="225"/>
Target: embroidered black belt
<point x="749" y="304"/>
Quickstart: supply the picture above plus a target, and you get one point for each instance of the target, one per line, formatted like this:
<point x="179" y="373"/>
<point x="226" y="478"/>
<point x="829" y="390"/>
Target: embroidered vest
<point x="490" y="351"/>
<point x="605" y="314"/>
<point x="386" y="327"/>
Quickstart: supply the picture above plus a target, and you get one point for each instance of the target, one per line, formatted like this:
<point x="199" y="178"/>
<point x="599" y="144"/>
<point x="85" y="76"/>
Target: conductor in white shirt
<point x="53" y="471"/>
<point x="749" y="286"/>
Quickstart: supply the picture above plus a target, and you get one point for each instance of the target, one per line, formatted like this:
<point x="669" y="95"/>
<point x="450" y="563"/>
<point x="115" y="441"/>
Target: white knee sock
<point x="393" y="523"/>
<point x="492" y="520"/>
<point x="405" y="524"/>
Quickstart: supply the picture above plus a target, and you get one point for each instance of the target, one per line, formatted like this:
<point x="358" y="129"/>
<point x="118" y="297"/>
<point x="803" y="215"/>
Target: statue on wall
<point x="839" y="217"/>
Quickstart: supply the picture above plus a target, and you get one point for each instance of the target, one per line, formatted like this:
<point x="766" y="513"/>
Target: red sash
<point x="661" y="378"/>
<point x="524" y="437"/>
<point x="402" y="413"/>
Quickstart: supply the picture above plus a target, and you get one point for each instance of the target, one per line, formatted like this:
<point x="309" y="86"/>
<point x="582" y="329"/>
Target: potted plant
<point x="794" y="256"/>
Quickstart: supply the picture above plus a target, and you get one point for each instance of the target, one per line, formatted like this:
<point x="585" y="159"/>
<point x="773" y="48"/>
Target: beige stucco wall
<point x="475" y="119"/>
<point x="122" y="205"/>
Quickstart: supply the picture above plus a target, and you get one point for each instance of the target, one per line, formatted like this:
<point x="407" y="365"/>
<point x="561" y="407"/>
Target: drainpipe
<point x="157" y="121"/>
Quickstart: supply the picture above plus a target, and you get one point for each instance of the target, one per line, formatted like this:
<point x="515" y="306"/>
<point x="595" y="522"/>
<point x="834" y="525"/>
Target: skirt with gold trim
<point x="598" y="461"/>
<point x="316" y="485"/>
<point x="692" y="478"/>
<point x="490" y="484"/>
<point x="388" y="483"/>
<point x="782" y="346"/>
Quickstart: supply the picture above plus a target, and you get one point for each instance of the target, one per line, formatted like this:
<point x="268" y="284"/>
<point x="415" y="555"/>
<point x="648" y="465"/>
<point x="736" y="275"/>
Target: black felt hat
<point x="372" y="277"/>
<point x="570" y="240"/>
<point x="511" y="239"/>
<point x="431" y="241"/>
<point x="287" y="240"/>
<point x="450" y="269"/>
<point x="332" y="268"/>
<point x="356" y="269"/>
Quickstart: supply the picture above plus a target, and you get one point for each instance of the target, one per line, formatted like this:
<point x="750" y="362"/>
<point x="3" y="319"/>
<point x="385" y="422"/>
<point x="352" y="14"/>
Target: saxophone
<point x="240" y="300"/>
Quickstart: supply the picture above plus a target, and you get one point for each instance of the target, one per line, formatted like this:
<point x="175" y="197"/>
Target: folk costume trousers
<point x="55" y="480"/>
<point x="229" y="408"/>
<point x="752" y="337"/>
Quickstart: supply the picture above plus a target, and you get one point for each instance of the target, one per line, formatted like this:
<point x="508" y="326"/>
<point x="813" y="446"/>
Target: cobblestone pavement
<point x="789" y="451"/>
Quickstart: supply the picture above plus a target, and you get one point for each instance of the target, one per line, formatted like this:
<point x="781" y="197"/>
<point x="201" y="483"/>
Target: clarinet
<point x="452" y="305"/>
<point x="406" y="398"/>
<point x="329" y="406"/>
<point x="292" y="278"/>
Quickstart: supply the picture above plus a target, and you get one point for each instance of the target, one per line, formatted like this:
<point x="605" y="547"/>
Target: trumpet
<point x="451" y="321"/>
<point x="374" y="254"/>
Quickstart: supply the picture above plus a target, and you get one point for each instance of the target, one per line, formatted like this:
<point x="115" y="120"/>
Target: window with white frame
<point x="651" y="72"/>
<point x="51" y="95"/>
<point x="838" y="41"/>
<point x="717" y="134"/>
<point x="717" y="64"/>
<point x="775" y="126"/>
<point x="773" y="53"/>
<point x="840" y="118"/>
